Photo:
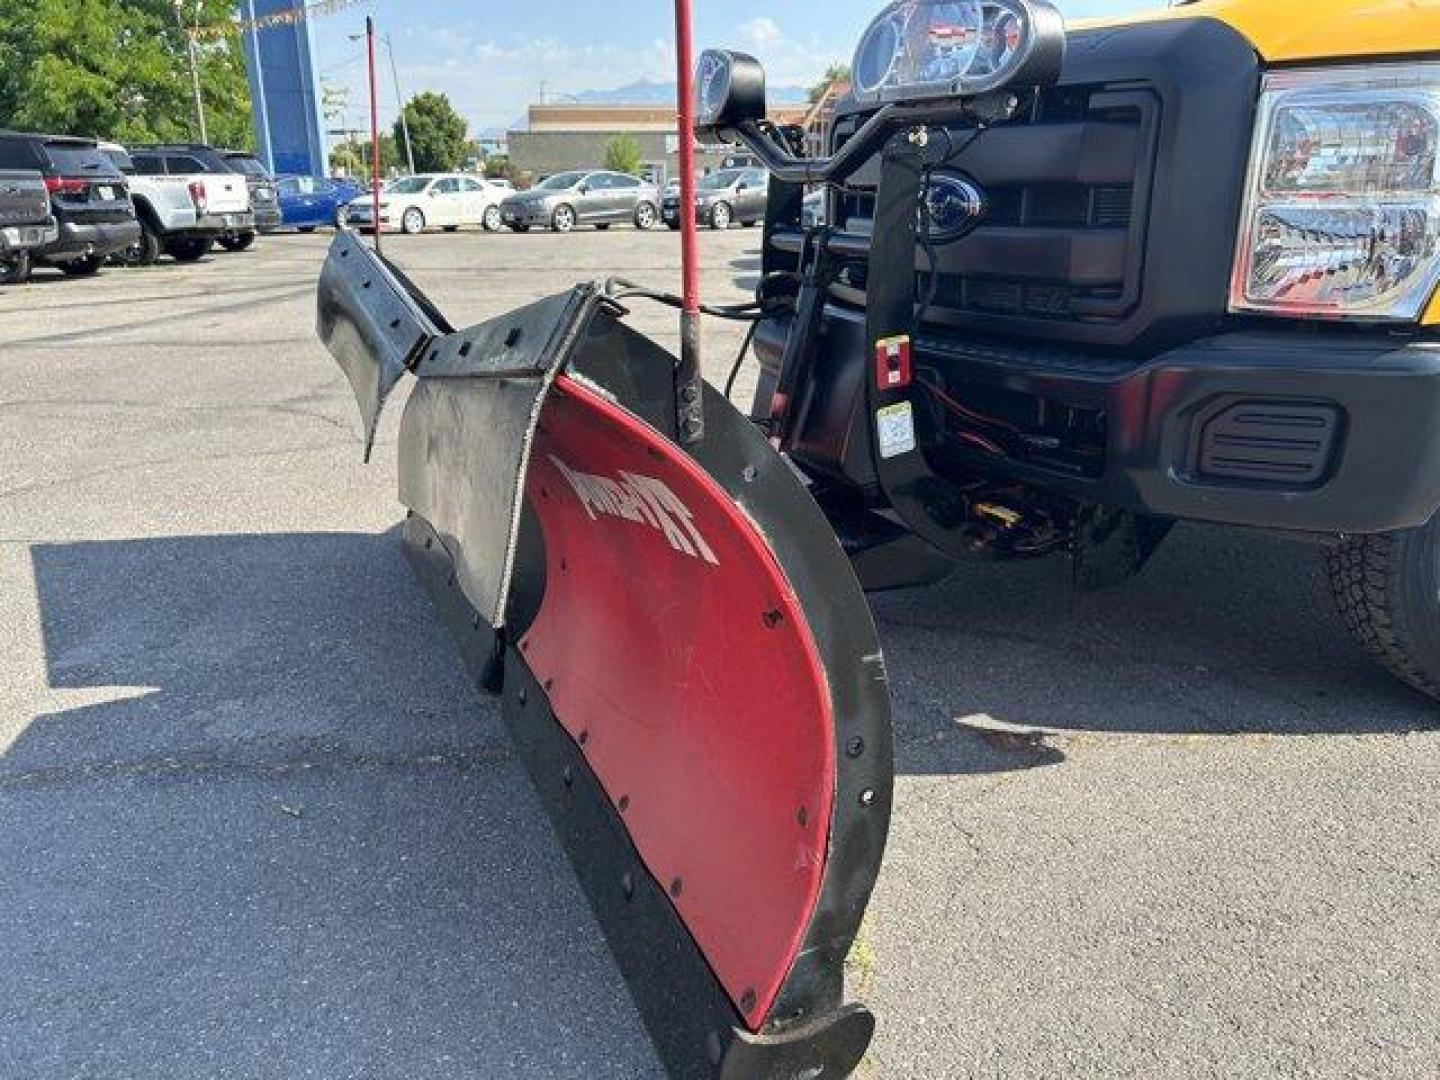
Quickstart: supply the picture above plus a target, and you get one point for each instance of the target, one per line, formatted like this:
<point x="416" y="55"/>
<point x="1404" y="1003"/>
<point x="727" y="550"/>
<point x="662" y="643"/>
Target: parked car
<point x="594" y="197"/>
<point x="25" y="222"/>
<point x="307" y="204"/>
<point x="181" y="213"/>
<point x="197" y="158"/>
<point x="723" y="198"/>
<point x="434" y="200"/>
<point x="88" y="197"/>
<point x="263" y="195"/>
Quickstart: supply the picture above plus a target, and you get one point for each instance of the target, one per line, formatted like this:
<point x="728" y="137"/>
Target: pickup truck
<point x="25" y="222"/>
<point x="181" y="211"/>
<point x="264" y="196"/>
<point x="88" y="196"/>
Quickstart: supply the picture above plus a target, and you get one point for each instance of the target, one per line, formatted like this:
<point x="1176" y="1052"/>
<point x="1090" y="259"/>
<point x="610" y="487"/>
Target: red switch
<point x="892" y="363"/>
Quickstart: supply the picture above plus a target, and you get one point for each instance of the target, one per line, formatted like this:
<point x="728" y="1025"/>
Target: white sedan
<point x="433" y="201"/>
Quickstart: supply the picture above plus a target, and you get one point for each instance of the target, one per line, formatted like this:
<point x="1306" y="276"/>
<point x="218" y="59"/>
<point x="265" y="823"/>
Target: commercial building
<point x="559" y="137"/>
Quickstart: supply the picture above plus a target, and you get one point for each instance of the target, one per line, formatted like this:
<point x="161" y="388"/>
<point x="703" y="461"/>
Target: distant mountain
<point x="646" y="92"/>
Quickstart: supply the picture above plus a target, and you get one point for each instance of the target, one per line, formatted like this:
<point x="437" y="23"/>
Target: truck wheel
<point x="85" y="267"/>
<point x="238" y="242"/>
<point x="17" y="270"/>
<point x="145" y="251"/>
<point x="189" y="250"/>
<point x="1387" y="588"/>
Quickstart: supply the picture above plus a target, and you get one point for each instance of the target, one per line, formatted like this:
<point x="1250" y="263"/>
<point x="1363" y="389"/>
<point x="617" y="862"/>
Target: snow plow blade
<point x="687" y="663"/>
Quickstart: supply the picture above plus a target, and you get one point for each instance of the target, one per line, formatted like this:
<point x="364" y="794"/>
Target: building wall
<point x="289" y="131"/>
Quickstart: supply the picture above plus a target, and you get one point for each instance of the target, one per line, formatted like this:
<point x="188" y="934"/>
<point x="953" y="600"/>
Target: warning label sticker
<point x="895" y="425"/>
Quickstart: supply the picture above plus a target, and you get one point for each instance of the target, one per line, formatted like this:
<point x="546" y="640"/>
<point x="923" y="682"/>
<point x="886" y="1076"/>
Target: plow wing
<point x="687" y="662"/>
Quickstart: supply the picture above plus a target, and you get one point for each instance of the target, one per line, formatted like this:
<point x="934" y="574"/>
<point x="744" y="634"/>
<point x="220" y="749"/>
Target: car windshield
<point x="409" y="185"/>
<point x="717" y="181"/>
<point x="562" y="181"/>
<point x="79" y="159"/>
<point x="248" y="165"/>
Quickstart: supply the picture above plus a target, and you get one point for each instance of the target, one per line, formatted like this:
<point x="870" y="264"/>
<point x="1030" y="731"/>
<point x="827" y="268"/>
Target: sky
<point x="493" y="59"/>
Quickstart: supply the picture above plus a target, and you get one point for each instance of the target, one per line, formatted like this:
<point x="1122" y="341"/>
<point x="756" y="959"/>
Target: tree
<point x="119" y="69"/>
<point x="352" y="158"/>
<point x="437" y="132"/>
<point x="622" y="154"/>
<point x="834" y="73"/>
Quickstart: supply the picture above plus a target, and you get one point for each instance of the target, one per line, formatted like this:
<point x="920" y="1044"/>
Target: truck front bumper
<point x="80" y="240"/>
<point x="17" y="238"/>
<point x="1308" y="432"/>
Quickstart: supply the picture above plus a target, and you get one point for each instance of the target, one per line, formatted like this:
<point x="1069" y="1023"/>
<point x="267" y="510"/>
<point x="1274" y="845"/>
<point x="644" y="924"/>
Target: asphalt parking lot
<point x="255" y="823"/>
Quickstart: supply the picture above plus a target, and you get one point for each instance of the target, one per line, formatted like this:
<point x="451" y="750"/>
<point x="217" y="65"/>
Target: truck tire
<point x="17" y="270"/>
<point x="189" y="249"/>
<point x="146" y="250"/>
<point x="1387" y="588"/>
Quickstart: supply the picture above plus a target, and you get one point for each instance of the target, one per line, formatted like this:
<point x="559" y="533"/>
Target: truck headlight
<point x="1342" y="209"/>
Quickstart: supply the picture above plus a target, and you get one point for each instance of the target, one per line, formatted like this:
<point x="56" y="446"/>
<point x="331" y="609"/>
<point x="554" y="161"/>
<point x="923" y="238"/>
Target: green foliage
<point x="119" y="69"/>
<point x="497" y="167"/>
<point x="622" y="154"/>
<point x="834" y="73"/>
<point x="352" y="158"/>
<point x="437" y="131"/>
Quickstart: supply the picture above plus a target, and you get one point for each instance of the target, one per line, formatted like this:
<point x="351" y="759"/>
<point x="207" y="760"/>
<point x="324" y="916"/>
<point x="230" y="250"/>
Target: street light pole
<point x="194" y="69"/>
<point x="400" y="101"/>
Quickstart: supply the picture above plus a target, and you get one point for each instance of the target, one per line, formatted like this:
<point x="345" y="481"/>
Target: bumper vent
<point x="1272" y="442"/>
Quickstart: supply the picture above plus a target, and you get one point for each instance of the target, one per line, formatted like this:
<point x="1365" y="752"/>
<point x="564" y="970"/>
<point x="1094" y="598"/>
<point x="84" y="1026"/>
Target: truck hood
<point x="1284" y="30"/>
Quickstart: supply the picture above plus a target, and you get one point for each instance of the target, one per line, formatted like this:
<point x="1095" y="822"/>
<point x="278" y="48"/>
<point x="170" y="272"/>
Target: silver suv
<point x="597" y="198"/>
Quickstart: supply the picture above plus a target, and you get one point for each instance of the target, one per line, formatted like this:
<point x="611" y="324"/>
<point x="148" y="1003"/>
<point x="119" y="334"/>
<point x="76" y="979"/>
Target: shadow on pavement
<point x="306" y="851"/>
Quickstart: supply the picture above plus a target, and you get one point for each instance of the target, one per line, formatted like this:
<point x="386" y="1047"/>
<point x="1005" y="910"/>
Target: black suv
<point x="88" y="196"/>
<point x="264" y="195"/>
<point x="264" y="199"/>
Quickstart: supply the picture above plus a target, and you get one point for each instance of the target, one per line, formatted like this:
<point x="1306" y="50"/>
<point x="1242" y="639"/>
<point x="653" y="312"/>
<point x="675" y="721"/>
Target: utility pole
<point x="375" y="162"/>
<point x="399" y="100"/>
<point x="194" y="68"/>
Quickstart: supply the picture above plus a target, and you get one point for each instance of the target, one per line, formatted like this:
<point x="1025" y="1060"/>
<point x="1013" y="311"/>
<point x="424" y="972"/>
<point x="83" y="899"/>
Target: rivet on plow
<point x="522" y="696"/>
<point x="750" y="474"/>
<point x="867" y="797"/>
<point x="803" y="817"/>
<point x="624" y="803"/>
<point x="513" y="337"/>
<point x="584" y="737"/>
<point x="475" y="623"/>
<point x="772" y="619"/>
<point x="747" y="1001"/>
<point x="677" y="887"/>
<point x="465" y="347"/>
<point x="568" y="775"/>
<point x="429" y="542"/>
<point x="627" y="886"/>
<point x="549" y="685"/>
<point x="855" y="747"/>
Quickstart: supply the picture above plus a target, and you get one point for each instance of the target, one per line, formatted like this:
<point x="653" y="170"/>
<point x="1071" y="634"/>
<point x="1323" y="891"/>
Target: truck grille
<point x="1067" y="190"/>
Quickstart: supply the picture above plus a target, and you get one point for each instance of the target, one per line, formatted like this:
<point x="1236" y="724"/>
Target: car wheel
<point x="1387" y="588"/>
<point x="412" y="222"/>
<point x="563" y="219"/>
<point x="645" y="216"/>
<point x="17" y="270"/>
<point x="145" y="251"/>
<point x="85" y="267"/>
<point x="491" y="221"/>
<point x="240" y="242"/>
<point x="720" y="216"/>
<point x="189" y="250"/>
